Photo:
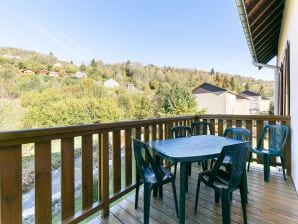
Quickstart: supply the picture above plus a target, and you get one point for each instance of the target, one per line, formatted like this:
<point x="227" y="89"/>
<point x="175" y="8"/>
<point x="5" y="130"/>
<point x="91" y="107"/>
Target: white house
<point x="53" y="74"/>
<point x="111" y="83"/>
<point x="277" y="38"/>
<point x="257" y="103"/>
<point x="57" y="65"/>
<point x="79" y="74"/>
<point x="217" y="100"/>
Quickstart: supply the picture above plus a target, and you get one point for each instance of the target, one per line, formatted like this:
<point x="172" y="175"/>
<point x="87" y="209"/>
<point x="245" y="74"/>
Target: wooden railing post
<point x="87" y="171"/>
<point x="104" y="178"/>
<point x="116" y="161"/>
<point x="67" y="178"/>
<point x="11" y="184"/>
<point x="128" y="158"/>
<point x="43" y="182"/>
<point x="288" y="152"/>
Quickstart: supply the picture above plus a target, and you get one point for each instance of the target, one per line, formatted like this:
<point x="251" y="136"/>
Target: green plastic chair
<point x="277" y="140"/>
<point x="241" y="134"/>
<point x="151" y="175"/>
<point x="180" y="132"/>
<point x="201" y="128"/>
<point x="224" y="183"/>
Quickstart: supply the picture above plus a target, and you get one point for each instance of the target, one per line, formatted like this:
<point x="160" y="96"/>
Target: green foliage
<point x="51" y="101"/>
<point x="175" y="99"/>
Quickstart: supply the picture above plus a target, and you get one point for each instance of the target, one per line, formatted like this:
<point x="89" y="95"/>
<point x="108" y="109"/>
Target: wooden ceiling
<point x="264" y="19"/>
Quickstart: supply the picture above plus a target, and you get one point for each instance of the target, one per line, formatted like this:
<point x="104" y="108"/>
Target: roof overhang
<point x="261" y="22"/>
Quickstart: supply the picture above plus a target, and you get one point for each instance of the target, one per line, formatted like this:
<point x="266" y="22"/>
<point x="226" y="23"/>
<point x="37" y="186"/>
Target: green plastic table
<point x="189" y="149"/>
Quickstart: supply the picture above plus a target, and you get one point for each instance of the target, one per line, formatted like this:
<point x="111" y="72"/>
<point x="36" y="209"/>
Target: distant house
<point x="28" y="71"/>
<point x="79" y="75"/>
<point x="131" y="86"/>
<point x="257" y="103"/>
<point x="9" y="56"/>
<point x="54" y="74"/>
<point x="111" y="83"/>
<point x="57" y="65"/>
<point x="217" y="100"/>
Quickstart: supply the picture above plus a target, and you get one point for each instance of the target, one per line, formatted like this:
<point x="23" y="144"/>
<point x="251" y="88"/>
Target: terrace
<point x="107" y="167"/>
<point x="110" y="143"/>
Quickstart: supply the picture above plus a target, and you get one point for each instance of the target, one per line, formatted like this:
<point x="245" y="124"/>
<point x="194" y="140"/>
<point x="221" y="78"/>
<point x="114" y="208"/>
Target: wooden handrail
<point x="114" y="138"/>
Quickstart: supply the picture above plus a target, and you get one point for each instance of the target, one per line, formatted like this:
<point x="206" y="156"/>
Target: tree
<point x="212" y="71"/>
<point x="93" y="63"/>
<point x="82" y="67"/>
<point x="246" y="86"/>
<point x="175" y="100"/>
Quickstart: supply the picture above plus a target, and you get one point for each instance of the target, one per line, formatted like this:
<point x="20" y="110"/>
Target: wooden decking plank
<point x="268" y="203"/>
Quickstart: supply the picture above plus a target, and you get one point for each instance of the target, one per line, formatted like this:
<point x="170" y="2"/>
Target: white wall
<point x="289" y="31"/>
<point x="242" y="106"/>
<point x="215" y="104"/>
<point x="264" y="106"/>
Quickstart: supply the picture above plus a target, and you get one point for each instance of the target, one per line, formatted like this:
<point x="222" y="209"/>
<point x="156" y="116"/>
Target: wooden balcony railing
<point x="111" y="139"/>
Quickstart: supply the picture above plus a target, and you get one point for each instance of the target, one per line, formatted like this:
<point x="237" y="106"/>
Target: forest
<point x="39" y="90"/>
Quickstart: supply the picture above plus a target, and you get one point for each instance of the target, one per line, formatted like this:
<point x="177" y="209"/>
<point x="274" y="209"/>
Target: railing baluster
<point x="67" y="178"/>
<point x="154" y="132"/>
<point x="43" y="180"/>
<point x="229" y="123"/>
<point x="99" y="165"/>
<point x="248" y="125"/>
<point x="160" y="131"/>
<point x="11" y="184"/>
<point x="104" y="177"/>
<point x="212" y="123"/>
<point x="128" y="158"/>
<point x="87" y="171"/>
<point x="116" y="161"/>
<point x="239" y="123"/>
<point x="220" y="127"/>
<point x="260" y="126"/>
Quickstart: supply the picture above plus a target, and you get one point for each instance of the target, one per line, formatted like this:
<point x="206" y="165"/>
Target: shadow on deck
<point x="273" y="202"/>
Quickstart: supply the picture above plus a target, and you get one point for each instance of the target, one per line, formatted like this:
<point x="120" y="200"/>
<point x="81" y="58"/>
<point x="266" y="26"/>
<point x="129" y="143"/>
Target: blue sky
<point x="200" y="34"/>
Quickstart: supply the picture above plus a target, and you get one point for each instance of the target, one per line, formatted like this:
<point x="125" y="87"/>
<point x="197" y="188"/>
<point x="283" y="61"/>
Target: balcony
<point x="108" y="174"/>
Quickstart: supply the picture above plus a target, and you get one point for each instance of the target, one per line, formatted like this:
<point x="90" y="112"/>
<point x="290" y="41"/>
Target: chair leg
<point x="137" y="191"/>
<point x="189" y="169"/>
<point x="249" y="160"/>
<point x="211" y="163"/>
<point x="197" y="194"/>
<point x="175" y="197"/>
<point x="243" y="196"/>
<point x="225" y="207"/>
<point x="245" y="186"/>
<point x="283" y="167"/>
<point x="147" y="197"/>
<point x="266" y="160"/>
<point x="175" y="170"/>
<point x="216" y="196"/>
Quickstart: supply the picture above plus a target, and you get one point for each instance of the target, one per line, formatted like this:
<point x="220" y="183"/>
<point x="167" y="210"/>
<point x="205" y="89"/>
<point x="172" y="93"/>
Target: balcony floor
<point x="273" y="202"/>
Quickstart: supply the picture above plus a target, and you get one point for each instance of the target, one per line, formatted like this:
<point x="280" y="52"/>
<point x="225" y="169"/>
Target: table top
<point x="191" y="149"/>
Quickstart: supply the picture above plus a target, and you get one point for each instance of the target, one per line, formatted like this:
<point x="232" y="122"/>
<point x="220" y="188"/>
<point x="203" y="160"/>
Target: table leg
<point x="155" y="190"/>
<point x="183" y="174"/>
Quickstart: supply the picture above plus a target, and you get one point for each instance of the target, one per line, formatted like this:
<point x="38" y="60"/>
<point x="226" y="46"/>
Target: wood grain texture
<point x="128" y="158"/>
<point x="104" y="178"/>
<point x="116" y="161"/>
<point x="43" y="182"/>
<point x="87" y="171"/>
<point x="67" y="178"/>
<point x="11" y="184"/>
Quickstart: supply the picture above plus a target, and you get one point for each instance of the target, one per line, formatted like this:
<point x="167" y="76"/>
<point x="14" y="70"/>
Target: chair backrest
<point x="278" y="136"/>
<point x="238" y="157"/>
<point x="241" y="134"/>
<point x="201" y="128"/>
<point x="181" y="131"/>
<point x="144" y="159"/>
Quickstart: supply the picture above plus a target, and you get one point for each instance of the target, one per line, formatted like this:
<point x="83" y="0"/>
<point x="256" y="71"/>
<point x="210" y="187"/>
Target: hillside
<point x="43" y="83"/>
